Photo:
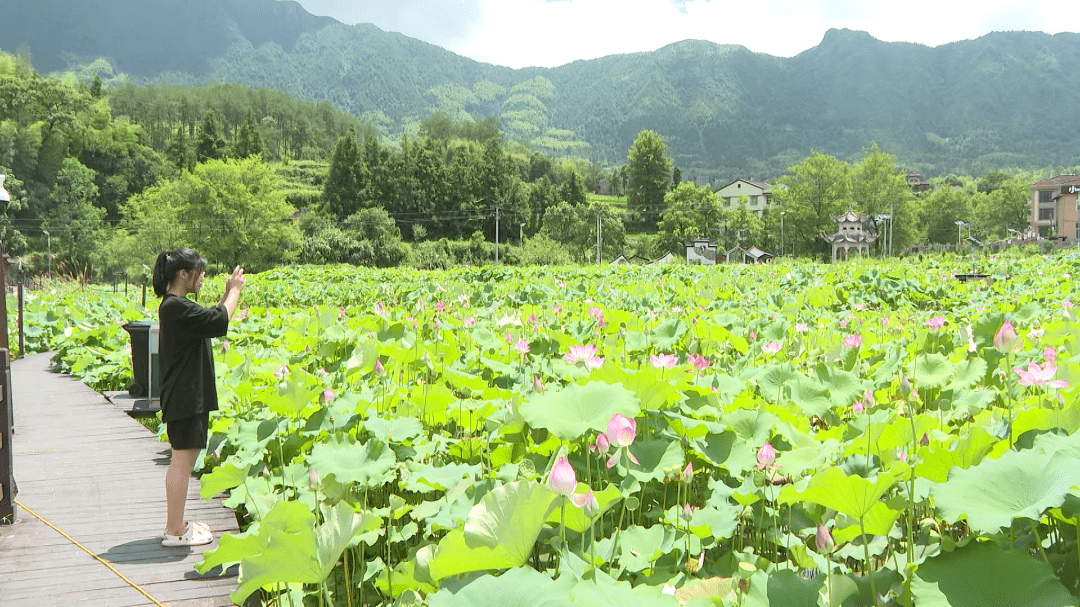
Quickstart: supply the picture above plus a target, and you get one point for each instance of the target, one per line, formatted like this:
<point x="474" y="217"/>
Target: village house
<point x="1053" y="203"/>
<point x="758" y="194"/>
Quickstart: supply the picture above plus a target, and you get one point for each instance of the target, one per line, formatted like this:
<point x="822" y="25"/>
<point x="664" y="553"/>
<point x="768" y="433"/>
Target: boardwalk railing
<point x="7" y="449"/>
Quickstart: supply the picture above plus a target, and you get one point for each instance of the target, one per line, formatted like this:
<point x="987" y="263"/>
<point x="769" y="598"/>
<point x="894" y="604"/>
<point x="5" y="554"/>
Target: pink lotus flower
<point x="328" y="395"/>
<point x="522" y="346"/>
<point x="664" y="361"/>
<point x="688" y="472"/>
<point x="602" y="444"/>
<point x="1005" y="338"/>
<point x="801" y="327"/>
<point x="470" y="321"/>
<point x="587" y="501"/>
<point x="379" y="368"/>
<point x="224" y="346"/>
<point x="282" y="372"/>
<point x="700" y="362"/>
<point x="556" y="308"/>
<point x="463" y="298"/>
<point x="823" y="539"/>
<point x="379" y="309"/>
<point x="1050" y="355"/>
<point x="621" y="431"/>
<point x="562" y="478"/>
<point x="853" y="341"/>
<point x="440" y="306"/>
<point x="936" y="322"/>
<point x="753" y="335"/>
<point x="858" y="407"/>
<point x="594" y="362"/>
<point x="766" y="455"/>
<point x="771" y="347"/>
<point x="1037" y="375"/>
<point x="843" y="324"/>
<point x="580" y="353"/>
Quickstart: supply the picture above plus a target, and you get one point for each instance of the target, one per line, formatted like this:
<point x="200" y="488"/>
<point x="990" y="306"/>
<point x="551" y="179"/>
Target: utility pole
<point x="892" y="219"/>
<point x="496" y="234"/>
<point x="599" y="226"/>
<point x="781" y="233"/>
<point x="521" y="234"/>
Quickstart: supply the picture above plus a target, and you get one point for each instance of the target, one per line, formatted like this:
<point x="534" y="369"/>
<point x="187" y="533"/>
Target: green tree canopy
<point x="649" y="175"/>
<point x="817" y="188"/>
<point x="231" y="211"/>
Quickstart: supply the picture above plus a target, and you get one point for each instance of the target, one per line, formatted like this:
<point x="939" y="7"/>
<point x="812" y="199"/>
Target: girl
<point x="188" y="392"/>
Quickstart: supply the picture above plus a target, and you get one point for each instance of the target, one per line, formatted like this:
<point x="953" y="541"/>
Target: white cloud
<point x="520" y="33"/>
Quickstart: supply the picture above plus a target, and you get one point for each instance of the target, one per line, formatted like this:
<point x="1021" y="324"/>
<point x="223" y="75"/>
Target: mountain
<point x="1002" y="100"/>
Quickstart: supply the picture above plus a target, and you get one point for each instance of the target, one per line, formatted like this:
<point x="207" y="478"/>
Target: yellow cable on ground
<point x="91" y="553"/>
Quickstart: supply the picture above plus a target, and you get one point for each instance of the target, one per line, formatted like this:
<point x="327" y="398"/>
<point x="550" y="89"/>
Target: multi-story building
<point x="1054" y="212"/>
<point x="758" y="194"/>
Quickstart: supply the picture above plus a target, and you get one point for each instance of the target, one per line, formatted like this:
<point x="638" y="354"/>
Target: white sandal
<point x="196" y="534"/>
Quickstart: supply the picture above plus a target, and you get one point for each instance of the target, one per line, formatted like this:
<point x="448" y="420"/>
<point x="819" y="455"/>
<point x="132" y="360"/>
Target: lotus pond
<point x="785" y="435"/>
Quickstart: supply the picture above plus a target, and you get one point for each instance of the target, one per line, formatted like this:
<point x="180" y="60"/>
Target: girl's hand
<point x="237" y="280"/>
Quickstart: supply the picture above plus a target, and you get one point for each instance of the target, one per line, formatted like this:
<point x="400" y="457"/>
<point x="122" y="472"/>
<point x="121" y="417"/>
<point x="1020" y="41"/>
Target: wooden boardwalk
<point x="98" y="476"/>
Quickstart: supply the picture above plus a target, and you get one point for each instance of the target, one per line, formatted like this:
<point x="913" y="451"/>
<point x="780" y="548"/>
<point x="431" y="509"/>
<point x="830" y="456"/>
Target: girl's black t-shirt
<point x="187" y="359"/>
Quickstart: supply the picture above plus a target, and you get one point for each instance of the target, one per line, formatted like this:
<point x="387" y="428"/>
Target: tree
<point x="649" y="174"/>
<point x="691" y="211"/>
<point x="573" y="192"/>
<point x="941" y="210"/>
<point x="76" y="225"/>
<point x="231" y="211"/>
<point x="248" y="139"/>
<point x="209" y="145"/>
<point x="1002" y="208"/>
<point x="343" y="183"/>
<point x="378" y="236"/>
<point x="575" y="227"/>
<point x="676" y="177"/>
<point x="878" y="188"/>
<point x="817" y="188"/>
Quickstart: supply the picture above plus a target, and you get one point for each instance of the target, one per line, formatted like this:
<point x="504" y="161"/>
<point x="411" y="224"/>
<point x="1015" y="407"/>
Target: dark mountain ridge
<point x="1002" y="100"/>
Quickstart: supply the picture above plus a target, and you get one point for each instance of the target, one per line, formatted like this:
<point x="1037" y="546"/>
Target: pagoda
<point x="852" y="234"/>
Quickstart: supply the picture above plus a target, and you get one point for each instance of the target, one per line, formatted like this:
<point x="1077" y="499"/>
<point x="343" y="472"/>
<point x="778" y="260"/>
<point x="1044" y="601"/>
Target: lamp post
<point x="782" y="233"/>
<point x="959" y="226"/>
<point x="521" y="233"/>
<point x="48" y="252"/>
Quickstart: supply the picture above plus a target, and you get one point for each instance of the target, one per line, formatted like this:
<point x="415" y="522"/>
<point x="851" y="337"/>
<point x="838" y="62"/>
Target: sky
<point x="548" y="33"/>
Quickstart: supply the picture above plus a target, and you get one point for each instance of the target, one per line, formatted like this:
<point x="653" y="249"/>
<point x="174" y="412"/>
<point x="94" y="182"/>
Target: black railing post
<point x="7" y="449"/>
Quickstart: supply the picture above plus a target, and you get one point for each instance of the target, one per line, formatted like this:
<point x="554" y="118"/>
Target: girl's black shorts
<point x="189" y="432"/>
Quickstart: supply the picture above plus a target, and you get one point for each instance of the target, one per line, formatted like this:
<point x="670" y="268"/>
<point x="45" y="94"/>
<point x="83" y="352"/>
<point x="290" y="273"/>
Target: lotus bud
<point x="823" y="539"/>
<point x="1005" y="338"/>
<point x="587" y="501"/>
<point x="688" y="472"/>
<point x="562" y="479"/>
<point x="766" y="455"/>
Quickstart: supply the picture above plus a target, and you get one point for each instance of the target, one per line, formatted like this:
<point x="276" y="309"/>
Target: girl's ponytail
<point x="168" y="263"/>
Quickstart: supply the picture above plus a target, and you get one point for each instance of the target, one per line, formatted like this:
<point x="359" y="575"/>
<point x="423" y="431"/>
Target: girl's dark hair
<point x="170" y="262"/>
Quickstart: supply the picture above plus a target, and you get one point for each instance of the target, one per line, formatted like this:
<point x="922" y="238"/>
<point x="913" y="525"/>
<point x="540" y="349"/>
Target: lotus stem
<point x="866" y="553"/>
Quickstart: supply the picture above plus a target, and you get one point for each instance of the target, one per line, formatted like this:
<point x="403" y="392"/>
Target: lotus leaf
<point x="573" y="411"/>
<point x="982" y="574"/>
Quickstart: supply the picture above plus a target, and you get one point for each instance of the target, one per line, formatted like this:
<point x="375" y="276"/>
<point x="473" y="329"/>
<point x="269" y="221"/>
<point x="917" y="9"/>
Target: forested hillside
<point x="1002" y="100"/>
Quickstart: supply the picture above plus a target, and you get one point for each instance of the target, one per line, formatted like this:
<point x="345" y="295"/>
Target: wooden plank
<point x="99" y="476"/>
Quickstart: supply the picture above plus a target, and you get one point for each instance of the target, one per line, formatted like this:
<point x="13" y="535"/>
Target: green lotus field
<point x="787" y="435"/>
